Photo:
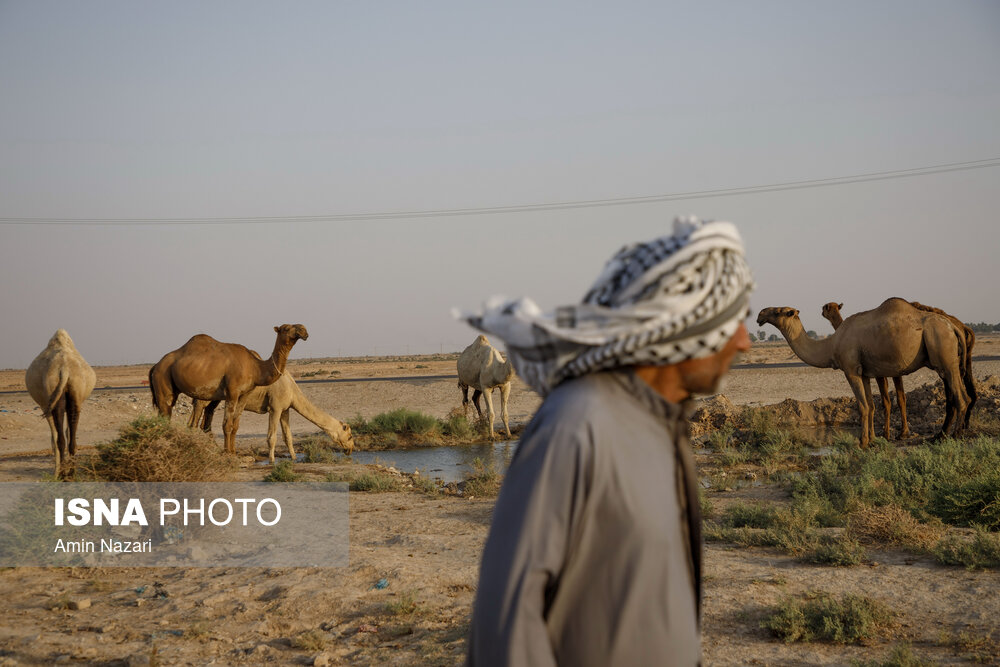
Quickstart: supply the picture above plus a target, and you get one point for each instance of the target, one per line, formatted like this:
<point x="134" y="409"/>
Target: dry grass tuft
<point x="152" y="449"/>
<point x="891" y="524"/>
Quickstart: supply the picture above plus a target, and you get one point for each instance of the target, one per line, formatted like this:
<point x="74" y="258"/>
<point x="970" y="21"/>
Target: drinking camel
<point x="205" y="369"/>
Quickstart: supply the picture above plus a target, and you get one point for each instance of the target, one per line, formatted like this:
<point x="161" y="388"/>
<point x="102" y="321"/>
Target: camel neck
<point x="836" y="320"/>
<point x="817" y="353"/>
<point x="272" y="368"/>
<point x="307" y="409"/>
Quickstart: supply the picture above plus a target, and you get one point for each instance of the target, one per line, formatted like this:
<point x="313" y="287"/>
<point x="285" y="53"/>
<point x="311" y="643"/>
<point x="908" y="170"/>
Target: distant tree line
<point x="983" y="327"/>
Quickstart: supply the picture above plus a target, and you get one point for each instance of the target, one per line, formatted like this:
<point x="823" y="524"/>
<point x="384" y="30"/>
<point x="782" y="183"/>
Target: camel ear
<point x="795" y="313"/>
<point x="840" y="305"/>
<point x="276" y="330"/>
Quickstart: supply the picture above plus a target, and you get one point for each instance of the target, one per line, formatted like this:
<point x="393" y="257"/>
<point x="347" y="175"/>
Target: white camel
<point x="482" y="367"/>
<point x="276" y="400"/>
<point x="60" y="381"/>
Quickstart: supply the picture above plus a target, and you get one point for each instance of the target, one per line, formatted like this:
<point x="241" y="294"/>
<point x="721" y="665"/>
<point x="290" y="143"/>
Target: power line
<point x="520" y="208"/>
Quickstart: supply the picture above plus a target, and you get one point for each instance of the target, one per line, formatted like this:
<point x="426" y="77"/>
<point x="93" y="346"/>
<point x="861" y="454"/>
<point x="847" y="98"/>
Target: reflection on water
<point x="449" y="464"/>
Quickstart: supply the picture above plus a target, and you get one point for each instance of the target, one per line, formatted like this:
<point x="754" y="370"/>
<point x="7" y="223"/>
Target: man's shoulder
<point x="593" y="389"/>
<point x="584" y="401"/>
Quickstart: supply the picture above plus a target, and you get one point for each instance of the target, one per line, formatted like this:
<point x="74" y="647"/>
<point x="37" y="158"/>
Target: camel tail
<point x="156" y="405"/>
<point x="58" y="394"/>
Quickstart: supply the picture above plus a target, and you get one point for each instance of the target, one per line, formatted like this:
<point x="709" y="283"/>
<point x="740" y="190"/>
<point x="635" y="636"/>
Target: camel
<point x="482" y="367"/>
<point x="205" y="369"/>
<point x="892" y="340"/>
<point x="831" y="311"/>
<point x="276" y="400"/>
<point x="60" y="381"/>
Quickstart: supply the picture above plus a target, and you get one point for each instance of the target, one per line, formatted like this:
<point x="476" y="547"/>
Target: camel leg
<point x="476" y="393"/>
<point x="59" y="415"/>
<point x="53" y="434"/>
<point x="231" y="423"/>
<point x="465" y="398"/>
<point x="72" y="421"/>
<point x="858" y="387"/>
<point x="209" y="414"/>
<point x="871" y="409"/>
<point x="504" y="396"/>
<point x="197" y="410"/>
<point x="488" y="395"/>
<point x="272" y="433"/>
<point x="883" y="391"/>
<point x="970" y="390"/>
<point x="901" y="399"/>
<point x="286" y="432"/>
<point x="956" y="401"/>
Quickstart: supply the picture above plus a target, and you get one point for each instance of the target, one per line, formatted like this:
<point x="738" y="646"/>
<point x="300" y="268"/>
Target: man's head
<point x="677" y="298"/>
<point x="677" y="382"/>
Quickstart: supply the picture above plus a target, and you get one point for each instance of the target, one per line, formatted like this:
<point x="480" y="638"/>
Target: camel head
<point x="292" y="332"/>
<point x="776" y="316"/>
<point x="831" y="310"/>
<point x="347" y="439"/>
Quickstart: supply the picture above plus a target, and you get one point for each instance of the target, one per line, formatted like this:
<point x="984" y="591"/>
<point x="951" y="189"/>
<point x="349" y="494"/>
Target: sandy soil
<point x="427" y="548"/>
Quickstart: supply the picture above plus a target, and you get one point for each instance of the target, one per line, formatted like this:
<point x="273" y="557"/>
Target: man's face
<point x="702" y="376"/>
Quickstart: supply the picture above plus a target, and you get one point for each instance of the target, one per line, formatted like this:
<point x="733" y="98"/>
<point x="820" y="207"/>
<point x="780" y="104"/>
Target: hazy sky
<point x="220" y="110"/>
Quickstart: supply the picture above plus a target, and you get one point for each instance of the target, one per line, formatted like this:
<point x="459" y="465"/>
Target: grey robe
<point x="594" y="553"/>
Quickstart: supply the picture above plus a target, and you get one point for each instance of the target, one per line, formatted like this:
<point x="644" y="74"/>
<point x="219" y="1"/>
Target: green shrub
<point x="982" y="551"/>
<point x="315" y="450"/>
<point x="403" y="420"/>
<point x="426" y="485"/>
<point x="457" y="425"/>
<point x="841" y="551"/>
<point x="376" y="482"/>
<point x="848" y="620"/>
<point x="282" y="471"/>
<point x="485" y="479"/>
<point x="957" y="482"/>
<point x="740" y="515"/>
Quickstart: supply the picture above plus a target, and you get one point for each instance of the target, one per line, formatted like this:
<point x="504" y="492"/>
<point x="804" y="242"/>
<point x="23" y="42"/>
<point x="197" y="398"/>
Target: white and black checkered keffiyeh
<point x="677" y="297"/>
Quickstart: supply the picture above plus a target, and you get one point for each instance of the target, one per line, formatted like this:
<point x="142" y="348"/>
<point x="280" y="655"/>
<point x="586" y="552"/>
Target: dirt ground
<point x="427" y="551"/>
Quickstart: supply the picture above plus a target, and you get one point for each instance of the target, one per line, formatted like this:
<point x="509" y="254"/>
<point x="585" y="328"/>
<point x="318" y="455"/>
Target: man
<point x="594" y="553"/>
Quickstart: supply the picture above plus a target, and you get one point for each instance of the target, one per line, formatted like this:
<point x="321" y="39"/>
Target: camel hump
<point x="61" y="339"/>
<point x="482" y="340"/>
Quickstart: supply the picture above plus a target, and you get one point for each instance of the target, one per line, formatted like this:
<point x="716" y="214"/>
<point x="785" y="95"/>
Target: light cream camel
<point x="276" y="400"/>
<point x="482" y="367"/>
<point x="831" y="311"/>
<point x="60" y="381"/>
<point x="892" y="340"/>
<point x="208" y="370"/>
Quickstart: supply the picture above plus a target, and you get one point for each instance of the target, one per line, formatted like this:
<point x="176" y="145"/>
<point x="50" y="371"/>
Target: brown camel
<point x="892" y="340"/>
<point x="482" y="367"/>
<point x="276" y="400"/>
<point x="208" y="370"/>
<point x="60" y="381"/>
<point x="970" y="341"/>
<point x="831" y="311"/>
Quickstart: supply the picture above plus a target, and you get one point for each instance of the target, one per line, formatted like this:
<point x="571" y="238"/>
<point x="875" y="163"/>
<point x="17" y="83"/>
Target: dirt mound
<point x="925" y="409"/>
